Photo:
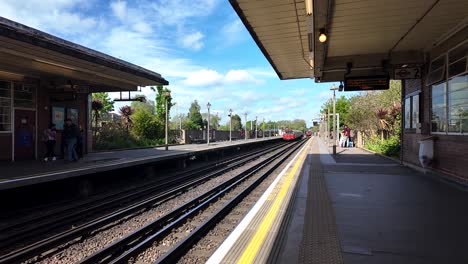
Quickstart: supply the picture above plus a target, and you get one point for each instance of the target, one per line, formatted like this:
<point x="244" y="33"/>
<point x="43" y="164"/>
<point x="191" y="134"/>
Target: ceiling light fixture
<point x="322" y="36"/>
<point x="308" y="4"/>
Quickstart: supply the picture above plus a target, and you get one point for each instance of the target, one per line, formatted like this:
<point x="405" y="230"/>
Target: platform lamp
<point x="256" y="127"/>
<point x="335" y="128"/>
<point x="166" y="95"/>
<point x="245" y="130"/>
<point x="208" y="128"/>
<point x="230" y="125"/>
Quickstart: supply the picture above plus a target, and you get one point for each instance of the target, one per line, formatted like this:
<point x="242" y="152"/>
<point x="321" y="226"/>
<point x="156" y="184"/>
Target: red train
<point x="308" y="134"/>
<point x="293" y="135"/>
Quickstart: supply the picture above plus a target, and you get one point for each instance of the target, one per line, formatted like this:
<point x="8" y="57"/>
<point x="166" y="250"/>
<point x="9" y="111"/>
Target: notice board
<point x="366" y="83"/>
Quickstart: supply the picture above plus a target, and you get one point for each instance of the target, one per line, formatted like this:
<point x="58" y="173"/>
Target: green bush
<point x="389" y="147"/>
<point x="113" y="136"/>
<point x="147" y="126"/>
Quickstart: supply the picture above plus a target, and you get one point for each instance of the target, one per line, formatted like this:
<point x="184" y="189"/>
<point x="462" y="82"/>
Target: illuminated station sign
<point x="366" y="83"/>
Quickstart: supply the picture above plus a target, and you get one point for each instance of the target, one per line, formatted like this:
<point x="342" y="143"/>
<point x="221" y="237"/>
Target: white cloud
<point x="204" y="78"/>
<point x="193" y="41"/>
<point x="240" y="76"/>
<point x="176" y="12"/>
<point x="119" y="8"/>
<point x="53" y="16"/>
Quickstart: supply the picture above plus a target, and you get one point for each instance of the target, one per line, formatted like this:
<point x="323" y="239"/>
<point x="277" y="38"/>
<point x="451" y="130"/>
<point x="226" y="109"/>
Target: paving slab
<point x="384" y="212"/>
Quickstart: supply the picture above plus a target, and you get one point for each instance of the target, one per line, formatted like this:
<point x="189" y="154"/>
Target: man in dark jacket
<point x="70" y="136"/>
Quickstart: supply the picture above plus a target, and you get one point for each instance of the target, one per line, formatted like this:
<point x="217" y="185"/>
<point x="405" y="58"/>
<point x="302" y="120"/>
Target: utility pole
<point x="335" y="130"/>
<point x="230" y="125"/>
<point x="256" y="127"/>
<point x="166" y="95"/>
<point x="208" y="128"/>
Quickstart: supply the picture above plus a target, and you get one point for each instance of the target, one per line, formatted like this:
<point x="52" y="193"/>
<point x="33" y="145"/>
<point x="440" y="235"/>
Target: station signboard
<point x="366" y="83"/>
<point x="407" y="73"/>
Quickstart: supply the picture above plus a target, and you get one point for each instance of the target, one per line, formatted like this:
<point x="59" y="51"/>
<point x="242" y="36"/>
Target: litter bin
<point x="426" y="151"/>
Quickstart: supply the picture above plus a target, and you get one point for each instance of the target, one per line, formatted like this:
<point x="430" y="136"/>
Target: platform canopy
<point x="33" y="53"/>
<point x="364" y="37"/>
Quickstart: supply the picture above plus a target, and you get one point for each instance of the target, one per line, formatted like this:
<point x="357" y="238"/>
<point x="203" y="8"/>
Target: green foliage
<point x="161" y="101"/>
<point x="108" y="104"/>
<point x="146" y="105"/>
<point x="296" y="124"/>
<point x="236" y="123"/>
<point x="389" y="147"/>
<point x="342" y="107"/>
<point x="112" y="136"/>
<point x="366" y="111"/>
<point x="195" y="117"/>
<point x="147" y="125"/>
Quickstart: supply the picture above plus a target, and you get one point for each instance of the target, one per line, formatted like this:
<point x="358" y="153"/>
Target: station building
<point x="45" y="79"/>
<point x="423" y="43"/>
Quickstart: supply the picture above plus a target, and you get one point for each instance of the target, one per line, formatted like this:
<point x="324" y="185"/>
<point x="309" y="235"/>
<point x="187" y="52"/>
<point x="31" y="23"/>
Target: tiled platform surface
<point x="384" y="213"/>
<point x="20" y="173"/>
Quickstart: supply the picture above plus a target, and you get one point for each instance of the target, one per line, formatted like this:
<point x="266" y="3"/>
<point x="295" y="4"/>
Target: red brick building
<point x="46" y="79"/>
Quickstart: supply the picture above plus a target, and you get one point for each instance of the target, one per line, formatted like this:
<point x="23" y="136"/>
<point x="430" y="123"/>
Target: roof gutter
<point x="243" y="18"/>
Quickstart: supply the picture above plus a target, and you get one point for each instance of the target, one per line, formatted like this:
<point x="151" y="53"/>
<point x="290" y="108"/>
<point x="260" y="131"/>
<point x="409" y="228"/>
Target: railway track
<point x="224" y="196"/>
<point x="164" y="191"/>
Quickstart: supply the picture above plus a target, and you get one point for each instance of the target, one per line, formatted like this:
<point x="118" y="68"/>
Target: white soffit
<point x="277" y="28"/>
<point x="375" y="26"/>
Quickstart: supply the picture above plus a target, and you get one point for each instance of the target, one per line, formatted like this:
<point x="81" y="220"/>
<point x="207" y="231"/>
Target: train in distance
<point x="290" y="135"/>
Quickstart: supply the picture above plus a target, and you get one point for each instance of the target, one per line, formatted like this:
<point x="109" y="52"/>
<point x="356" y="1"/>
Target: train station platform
<point x="25" y="173"/>
<point x="353" y="207"/>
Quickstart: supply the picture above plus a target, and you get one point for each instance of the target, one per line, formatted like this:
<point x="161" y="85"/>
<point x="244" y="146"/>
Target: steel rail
<point x="181" y="248"/>
<point x="84" y="229"/>
<point x="122" y="249"/>
<point x="71" y="214"/>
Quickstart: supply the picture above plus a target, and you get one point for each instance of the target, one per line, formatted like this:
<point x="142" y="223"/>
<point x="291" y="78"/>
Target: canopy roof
<point x="31" y="52"/>
<point x="372" y="36"/>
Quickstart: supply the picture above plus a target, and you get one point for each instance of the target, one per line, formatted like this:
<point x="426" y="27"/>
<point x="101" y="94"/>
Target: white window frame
<point x="446" y="80"/>
<point x="11" y="109"/>
<point x="411" y="97"/>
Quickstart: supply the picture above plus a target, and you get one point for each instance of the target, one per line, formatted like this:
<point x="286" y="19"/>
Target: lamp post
<point x="256" y="127"/>
<point x="263" y="131"/>
<point x="208" y="128"/>
<point x="335" y="129"/>
<point x="230" y="125"/>
<point x="245" y="130"/>
<point x="166" y="96"/>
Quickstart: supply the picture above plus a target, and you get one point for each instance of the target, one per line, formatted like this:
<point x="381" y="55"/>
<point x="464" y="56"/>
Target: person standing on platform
<point x="70" y="136"/>
<point x="50" y="138"/>
<point x="346" y="135"/>
<point x="79" y="144"/>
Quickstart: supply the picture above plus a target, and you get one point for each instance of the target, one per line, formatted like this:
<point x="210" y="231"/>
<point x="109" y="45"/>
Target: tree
<point x="161" y="101"/>
<point x="147" y="125"/>
<point x="214" y="120"/>
<point x="195" y="117"/>
<point x="126" y="112"/>
<point x="145" y="105"/>
<point x="107" y="103"/>
<point x="236" y="122"/>
<point x="97" y="107"/>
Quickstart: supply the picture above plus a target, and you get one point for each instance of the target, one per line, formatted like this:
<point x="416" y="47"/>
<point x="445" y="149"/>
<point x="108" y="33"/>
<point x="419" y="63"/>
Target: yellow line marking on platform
<point x="251" y="250"/>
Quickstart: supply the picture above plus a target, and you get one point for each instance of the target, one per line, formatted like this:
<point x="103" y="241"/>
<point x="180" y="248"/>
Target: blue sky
<point x="200" y="46"/>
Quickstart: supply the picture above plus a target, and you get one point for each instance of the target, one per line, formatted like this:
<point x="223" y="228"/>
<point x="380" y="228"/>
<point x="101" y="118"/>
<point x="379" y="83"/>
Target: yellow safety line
<point x="256" y="241"/>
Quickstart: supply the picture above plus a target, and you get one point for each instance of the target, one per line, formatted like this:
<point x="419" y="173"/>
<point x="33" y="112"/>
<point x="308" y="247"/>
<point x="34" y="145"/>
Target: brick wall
<point x="450" y="151"/>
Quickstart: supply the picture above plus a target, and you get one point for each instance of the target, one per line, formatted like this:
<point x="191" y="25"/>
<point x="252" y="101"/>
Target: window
<point x="458" y="104"/>
<point x="450" y="97"/>
<point x="439" y="107"/>
<point x="5" y="106"/>
<point x="24" y="95"/>
<point x="412" y="111"/>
